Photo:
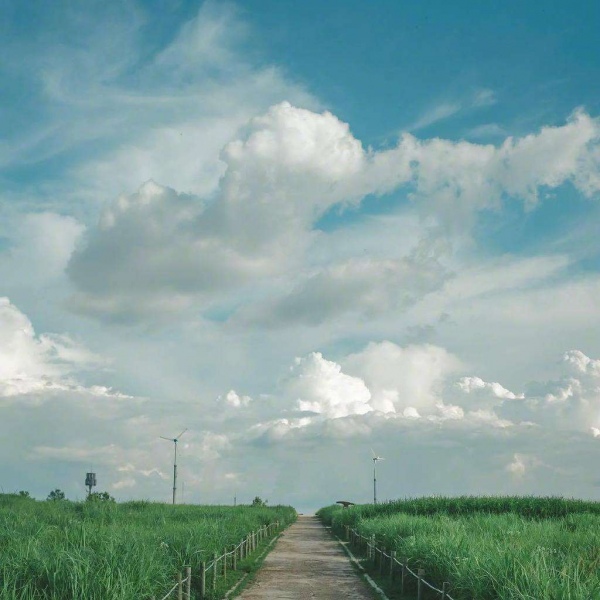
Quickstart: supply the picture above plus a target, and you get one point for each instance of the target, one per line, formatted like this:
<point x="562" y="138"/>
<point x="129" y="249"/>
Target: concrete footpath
<point x="307" y="563"/>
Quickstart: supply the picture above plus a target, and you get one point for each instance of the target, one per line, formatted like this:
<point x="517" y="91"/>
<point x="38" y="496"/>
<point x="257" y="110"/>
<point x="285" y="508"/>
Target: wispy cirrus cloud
<point x="124" y="108"/>
<point x="444" y="110"/>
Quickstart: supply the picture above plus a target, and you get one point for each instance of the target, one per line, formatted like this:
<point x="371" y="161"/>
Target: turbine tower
<point x="375" y="459"/>
<point x="174" y="440"/>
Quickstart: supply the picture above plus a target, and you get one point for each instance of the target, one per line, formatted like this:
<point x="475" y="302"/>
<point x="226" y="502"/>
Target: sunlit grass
<point x="97" y="551"/>
<point x="490" y="549"/>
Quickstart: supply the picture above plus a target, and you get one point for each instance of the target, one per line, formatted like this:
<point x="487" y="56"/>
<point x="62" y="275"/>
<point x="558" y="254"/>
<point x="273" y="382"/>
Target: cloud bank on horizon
<point x="213" y="248"/>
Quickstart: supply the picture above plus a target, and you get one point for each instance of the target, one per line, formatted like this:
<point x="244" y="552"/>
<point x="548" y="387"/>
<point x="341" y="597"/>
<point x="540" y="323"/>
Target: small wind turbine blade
<point x="373" y="453"/>
<point x="181" y="434"/>
<point x="162" y="437"/>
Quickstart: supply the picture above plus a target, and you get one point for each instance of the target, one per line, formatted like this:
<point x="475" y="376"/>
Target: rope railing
<point x="353" y="537"/>
<point x="179" y="586"/>
<point x="228" y="559"/>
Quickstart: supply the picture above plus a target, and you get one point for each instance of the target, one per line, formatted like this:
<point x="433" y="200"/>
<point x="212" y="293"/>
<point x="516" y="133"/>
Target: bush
<point x="56" y="495"/>
<point x="99" y="497"/>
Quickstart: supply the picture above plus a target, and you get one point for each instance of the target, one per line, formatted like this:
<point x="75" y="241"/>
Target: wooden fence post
<point x="445" y="590"/>
<point x="225" y="562"/>
<point x="234" y="566"/>
<point x="392" y="559"/>
<point x="202" y="580"/>
<point x="404" y="563"/>
<point x="188" y="583"/>
<point x="381" y="560"/>
<point x="421" y="574"/>
<point x="214" y="577"/>
<point x="179" y="587"/>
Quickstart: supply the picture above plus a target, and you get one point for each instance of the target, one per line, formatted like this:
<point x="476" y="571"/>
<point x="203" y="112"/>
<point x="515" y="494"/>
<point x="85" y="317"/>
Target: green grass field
<point x="103" y="551"/>
<point x="489" y="548"/>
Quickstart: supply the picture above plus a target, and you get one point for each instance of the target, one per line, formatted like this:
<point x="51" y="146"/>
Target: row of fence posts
<point x="210" y="571"/>
<point x="388" y="565"/>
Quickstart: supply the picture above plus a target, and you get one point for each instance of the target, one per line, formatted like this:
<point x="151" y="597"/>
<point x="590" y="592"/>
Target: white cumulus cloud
<point x="282" y="173"/>
<point x="32" y="364"/>
<point x="402" y="378"/>
<point x="320" y="386"/>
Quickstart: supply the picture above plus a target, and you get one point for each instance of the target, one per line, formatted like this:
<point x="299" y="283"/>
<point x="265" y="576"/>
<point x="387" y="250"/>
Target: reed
<point x="66" y="550"/>
<point x="490" y="549"/>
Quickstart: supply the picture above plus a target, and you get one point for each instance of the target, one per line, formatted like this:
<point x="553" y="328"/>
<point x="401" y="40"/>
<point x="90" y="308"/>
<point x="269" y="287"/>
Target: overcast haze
<point x="300" y="231"/>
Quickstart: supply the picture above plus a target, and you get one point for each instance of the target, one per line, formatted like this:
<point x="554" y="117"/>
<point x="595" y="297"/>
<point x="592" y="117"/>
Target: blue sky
<point x="300" y="230"/>
<point x="380" y="64"/>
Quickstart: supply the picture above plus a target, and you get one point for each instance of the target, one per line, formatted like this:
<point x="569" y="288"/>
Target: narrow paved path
<point x="307" y="563"/>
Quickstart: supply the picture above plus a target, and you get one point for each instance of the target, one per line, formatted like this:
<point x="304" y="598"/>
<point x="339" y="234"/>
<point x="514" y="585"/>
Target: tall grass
<point x="102" y="551"/>
<point x="527" y="506"/>
<point x="506" y="555"/>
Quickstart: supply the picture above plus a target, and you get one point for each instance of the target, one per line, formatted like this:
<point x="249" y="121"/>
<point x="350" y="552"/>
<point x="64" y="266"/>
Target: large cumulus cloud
<point x="419" y="384"/>
<point x="159" y="250"/>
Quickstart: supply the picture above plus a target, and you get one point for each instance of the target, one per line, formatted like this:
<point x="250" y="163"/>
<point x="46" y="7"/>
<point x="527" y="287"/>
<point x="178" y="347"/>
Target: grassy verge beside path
<point x="489" y="549"/>
<point x="102" y="551"/>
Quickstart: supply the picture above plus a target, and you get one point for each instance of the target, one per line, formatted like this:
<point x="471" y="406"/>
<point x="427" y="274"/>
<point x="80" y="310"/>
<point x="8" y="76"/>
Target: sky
<point x="306" y="233"/>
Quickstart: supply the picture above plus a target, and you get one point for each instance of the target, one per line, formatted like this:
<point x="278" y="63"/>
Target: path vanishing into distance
<point x="307" y="562"/>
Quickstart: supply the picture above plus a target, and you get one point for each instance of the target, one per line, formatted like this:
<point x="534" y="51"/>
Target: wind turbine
<point x="375" y="459"/>
<point x="174" y="440"/>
